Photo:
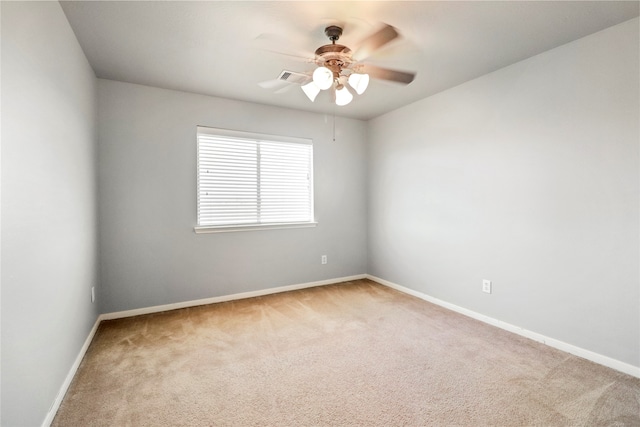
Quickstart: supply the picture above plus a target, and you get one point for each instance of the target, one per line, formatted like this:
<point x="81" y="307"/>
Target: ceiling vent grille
<point x="293" y="77"/>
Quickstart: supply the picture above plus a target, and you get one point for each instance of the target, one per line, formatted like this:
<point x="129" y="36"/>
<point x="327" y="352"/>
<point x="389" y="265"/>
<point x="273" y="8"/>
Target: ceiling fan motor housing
<point x="334" y="56"/>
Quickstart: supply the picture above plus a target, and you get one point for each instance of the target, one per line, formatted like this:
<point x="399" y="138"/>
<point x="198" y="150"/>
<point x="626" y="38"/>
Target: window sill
<point x="230" y="228"/>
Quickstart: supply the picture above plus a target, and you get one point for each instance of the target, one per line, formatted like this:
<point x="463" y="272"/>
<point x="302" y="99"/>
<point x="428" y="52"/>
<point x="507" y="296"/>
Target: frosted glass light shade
<point x="359" y="82"/>
<point x="323" y="78"/>
<point x="343" y="96"/>
<point x="311" y="90"/>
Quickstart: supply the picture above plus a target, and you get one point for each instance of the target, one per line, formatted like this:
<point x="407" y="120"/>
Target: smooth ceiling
<point x="220" y="48"/>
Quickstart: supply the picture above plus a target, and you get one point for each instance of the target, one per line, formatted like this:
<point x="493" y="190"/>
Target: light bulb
<point x="311" y="90"/>
<point x="359" y="82"/>
<point x="343" y="96"/>
<point x="323" y="78"/>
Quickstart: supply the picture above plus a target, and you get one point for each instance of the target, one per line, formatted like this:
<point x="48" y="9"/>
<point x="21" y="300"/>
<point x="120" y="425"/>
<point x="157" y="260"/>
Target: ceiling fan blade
<point x="275" y="84"/>
<point x="403" y="77"/>
<point x="375" y="41"/>
<point x="292" y="56"/>
<point x="285" y="89"/>
<point x="279" y="45"/>
<point x="285" y="81"/>
<point x="402" y="49"/>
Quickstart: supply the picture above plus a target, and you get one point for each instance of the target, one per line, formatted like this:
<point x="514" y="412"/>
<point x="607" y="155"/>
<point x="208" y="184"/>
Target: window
<point x="248" y="181"/>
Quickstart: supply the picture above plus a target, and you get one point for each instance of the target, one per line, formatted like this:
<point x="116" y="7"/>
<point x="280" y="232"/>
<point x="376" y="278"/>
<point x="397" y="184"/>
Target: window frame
<point x="255" y="137"/>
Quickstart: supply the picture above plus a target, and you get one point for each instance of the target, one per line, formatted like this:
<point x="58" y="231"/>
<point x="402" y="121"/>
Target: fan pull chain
<point x="334" y="125"/>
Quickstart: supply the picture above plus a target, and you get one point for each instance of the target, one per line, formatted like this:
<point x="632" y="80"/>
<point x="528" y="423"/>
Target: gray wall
<point x="527" y="176"/>
<point x="150" y="254"/>
<point x="48" y="206"/>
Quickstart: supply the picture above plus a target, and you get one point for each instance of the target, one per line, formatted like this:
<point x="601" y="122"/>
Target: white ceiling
<point x="218" y="47"/>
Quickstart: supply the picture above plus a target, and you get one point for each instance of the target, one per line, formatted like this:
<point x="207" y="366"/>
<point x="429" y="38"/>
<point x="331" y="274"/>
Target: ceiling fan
<point x="339" y="68"/>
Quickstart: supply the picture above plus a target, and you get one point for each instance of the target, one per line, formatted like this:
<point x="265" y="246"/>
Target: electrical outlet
<point x="324" y="259"/>
<point x="93" y="294"/>
<point x="486" y="286"/>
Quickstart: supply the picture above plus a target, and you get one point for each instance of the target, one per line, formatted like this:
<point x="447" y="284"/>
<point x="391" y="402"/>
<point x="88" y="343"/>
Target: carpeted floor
<point x="350" y="354"/>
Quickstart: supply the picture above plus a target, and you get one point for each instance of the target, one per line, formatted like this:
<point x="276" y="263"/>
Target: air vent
<point x="293" y="77"/>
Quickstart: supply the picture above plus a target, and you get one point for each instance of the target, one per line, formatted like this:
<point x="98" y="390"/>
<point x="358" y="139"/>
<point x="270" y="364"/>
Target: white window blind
<point x="247" y="180"/>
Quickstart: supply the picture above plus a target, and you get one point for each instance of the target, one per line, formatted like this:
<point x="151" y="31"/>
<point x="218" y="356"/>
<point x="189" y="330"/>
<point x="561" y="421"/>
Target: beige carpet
<point x="342" y="355"/>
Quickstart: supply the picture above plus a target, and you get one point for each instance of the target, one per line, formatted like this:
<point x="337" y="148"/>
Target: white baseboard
<point x="72" y="372"/>
<point x="205" y="301"/>
<point x="560" y="345"/>
<point x="552" y="342"/>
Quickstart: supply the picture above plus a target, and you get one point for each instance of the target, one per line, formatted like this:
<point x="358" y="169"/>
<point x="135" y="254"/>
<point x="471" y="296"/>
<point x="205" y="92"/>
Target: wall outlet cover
<point x="486" y="286"/>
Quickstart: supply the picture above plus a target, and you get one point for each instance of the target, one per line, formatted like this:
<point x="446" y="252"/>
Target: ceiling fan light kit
<point x="359" y="82"/>
<point x="311" y="90"/>
<point x="343" y="96"/>
<point x="338" y="69"/>
<point x="323" y="78"/>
